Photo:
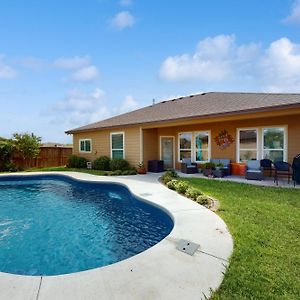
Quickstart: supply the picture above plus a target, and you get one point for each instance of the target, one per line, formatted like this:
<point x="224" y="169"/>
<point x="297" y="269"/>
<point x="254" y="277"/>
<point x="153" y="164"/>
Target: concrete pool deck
<point x="161" y="272"/>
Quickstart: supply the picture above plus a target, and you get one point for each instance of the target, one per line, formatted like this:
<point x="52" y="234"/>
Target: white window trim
<point x="208" y="149"/>
<point x="185" y="149"/>
<point x="285" y="140"/>
<point x="83" y="140"/>
<point x="160" y="147"/>
<point x="111" y="150"/>
<point x="238" y="142"/>
<point x="193" y="145"/>
<point x="260" y="141"/>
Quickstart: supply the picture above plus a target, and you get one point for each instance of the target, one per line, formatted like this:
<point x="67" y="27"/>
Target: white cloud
<point x="125" y="2"/>
<point x="80" y="108"/>
<point x="275" y="68"/>
<point x="122" y="20"/>
<point x="280" y="66"/>
<point x="128" y="104"/>
<point x="6" y="71"/>
<point x="72" y="62"/>
<point x="88" y="73"/>
<point x="215" y="59"/>
<point x="294" y="16"/>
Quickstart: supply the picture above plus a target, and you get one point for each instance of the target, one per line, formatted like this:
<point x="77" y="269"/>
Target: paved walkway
<point x="161" y="272"/>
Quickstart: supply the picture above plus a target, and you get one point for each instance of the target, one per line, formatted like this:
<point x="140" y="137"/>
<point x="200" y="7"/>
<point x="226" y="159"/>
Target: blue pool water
<point x="52" y="225"/>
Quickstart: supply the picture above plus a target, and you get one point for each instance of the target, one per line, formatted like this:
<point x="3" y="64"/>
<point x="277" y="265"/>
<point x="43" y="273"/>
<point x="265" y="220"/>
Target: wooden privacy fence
<point x="48" y="157"/>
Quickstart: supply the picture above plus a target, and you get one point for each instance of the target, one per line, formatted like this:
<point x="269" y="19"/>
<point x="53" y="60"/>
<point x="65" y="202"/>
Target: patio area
<point x="267" y="181"/>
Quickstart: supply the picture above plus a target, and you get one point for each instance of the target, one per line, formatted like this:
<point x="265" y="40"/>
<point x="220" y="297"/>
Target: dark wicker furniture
<point x="188" y="167"/>
<point x="267" y="165"/>
<point x="282" y="169"/>
<point x="254" y="170"/>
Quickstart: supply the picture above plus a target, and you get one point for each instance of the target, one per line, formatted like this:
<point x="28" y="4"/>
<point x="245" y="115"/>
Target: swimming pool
<point x="52" y="224"/>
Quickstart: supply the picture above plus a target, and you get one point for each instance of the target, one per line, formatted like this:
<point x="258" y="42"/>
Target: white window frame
<point x="238" y="141"/>
<point x="208" y="146"/>
<point x="84" y="140"/>
<point x="285" y="140"/>
<point x="260" y="140"/>
<point x="193" y="145"/>
<point x="185" y="149"/>
<point x="111" y="150"/>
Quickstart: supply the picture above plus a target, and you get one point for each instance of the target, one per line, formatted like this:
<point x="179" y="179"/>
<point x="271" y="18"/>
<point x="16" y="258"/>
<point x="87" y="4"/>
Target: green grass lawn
<point x="265" y="225"/>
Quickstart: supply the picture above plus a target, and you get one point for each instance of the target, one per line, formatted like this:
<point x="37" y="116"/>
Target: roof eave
<point x="232" y="113"/>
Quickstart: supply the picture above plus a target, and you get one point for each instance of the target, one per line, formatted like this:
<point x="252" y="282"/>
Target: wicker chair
<point x="282" y="169"/>
<point x="254" y="170"/>
<point x="188" y="167"/>
<point x="267" y="165"/>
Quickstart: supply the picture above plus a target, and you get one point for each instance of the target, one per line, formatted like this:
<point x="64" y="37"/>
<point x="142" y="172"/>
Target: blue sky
<point x="67" y="63"/>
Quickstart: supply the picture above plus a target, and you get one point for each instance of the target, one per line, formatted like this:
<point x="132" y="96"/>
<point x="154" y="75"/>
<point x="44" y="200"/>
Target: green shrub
<point x="171" y="173"/>
<point x="119" y="164"/>
<point x="129" y="172"/>
<point x="203" y="200"/>
<point x="116" y="173"/>
<point x="209" y="166"/>
<point x="76" y="162"/>
<point x="192" y="193"/>
<point x="168" y="176"/>
<point x="172" y="184"/>
<point x="101" y="163"/>
<point x="166" y="179"/>
<point x="181" y="187"/>
<point x="10" y="167"/>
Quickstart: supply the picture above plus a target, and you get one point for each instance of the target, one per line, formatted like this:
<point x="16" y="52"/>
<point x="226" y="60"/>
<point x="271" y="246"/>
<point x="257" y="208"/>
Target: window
<point x="194" y="145"/>
<point x="273" y="144"/>
<point x="262" y="142"/>
<point x="185" y="145"/>
<point x="247" y="144"/>
<point x="117" y="145"/>
<point x="202" y="146"/>
<point x="85" y="145"/>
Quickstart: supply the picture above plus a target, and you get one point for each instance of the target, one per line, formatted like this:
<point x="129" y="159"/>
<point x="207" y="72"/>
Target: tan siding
<point x="150" y="145"/>
<point x="293" y="137"/>
<point x="132" y="145"/>
<point x="101" y="144"/>
<point x="101" y="139"/>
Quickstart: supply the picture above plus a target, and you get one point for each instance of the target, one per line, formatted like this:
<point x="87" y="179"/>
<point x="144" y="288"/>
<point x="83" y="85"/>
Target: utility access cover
<point x="187" y="247"/>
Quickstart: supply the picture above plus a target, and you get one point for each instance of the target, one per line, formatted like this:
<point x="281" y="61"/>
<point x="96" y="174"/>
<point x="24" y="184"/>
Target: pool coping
<point x="160" y="272"/>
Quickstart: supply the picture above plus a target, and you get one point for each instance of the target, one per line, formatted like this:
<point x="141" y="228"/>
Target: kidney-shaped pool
<point x="53" y="224"/>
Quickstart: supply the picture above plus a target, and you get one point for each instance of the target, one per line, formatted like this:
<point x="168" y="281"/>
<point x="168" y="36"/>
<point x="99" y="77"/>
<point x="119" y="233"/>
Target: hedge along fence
<point x="48" y="157"/>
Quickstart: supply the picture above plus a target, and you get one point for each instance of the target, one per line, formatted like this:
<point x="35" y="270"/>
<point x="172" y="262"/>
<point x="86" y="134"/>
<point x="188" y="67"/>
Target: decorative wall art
<point x="224" y="139"/>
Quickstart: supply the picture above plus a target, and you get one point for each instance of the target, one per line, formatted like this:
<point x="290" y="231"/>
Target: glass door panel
<point x="167" y="152"/>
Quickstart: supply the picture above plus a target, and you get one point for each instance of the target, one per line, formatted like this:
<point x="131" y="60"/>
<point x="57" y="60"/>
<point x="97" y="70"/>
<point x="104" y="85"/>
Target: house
<point x="238" y="126"/>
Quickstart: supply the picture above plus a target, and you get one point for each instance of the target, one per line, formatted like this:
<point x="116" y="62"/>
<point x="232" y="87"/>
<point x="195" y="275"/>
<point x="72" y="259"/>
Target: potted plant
<point x="218" y="172"/>
<point x="201" y="168"/>
<point x="219" y="166"/>
<point x="141" y="168"/>
<point x="208" y="169"/>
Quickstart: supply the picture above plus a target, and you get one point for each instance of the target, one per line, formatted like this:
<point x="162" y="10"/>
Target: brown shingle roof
<point x="201" y="105"/>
